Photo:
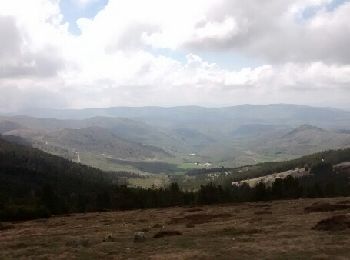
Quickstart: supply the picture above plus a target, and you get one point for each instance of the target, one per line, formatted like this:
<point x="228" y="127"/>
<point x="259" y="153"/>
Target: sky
<point x="103" y="53"/>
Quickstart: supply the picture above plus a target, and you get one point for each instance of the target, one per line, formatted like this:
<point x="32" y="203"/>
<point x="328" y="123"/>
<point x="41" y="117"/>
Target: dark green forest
<point x="34" y="184"/>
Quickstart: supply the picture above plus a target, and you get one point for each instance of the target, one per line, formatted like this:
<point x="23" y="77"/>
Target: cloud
<point x="10" y="38"/>
<point x="28" y="33"/>
<point x="272" y="30"/>
<point x="16" y="60"/>
<point x="138" y="53"/>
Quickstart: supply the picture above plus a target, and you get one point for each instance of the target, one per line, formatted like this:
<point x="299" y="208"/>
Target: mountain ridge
<point x="228" y="136"/>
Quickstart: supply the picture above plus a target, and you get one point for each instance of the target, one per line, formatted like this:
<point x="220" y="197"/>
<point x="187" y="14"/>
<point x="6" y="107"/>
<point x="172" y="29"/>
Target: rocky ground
<point x="294" y="229"/>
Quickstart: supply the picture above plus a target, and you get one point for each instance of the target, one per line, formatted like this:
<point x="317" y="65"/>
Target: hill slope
<point x="302" y="140"/>
<point x="229" y="136"/>
<point x="100" y="140"/>
<point x="279" y="229"/>
<point x="32" y="182"/>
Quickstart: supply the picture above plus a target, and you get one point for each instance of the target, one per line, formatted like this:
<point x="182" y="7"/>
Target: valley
<point x="154" y="141"/>
<point x="106" y="188"/>
<point x="167" y="129"/>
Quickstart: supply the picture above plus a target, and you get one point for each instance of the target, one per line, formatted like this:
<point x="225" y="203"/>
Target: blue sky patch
<point x="311" y="11"/>
<point x="72" y="11"/>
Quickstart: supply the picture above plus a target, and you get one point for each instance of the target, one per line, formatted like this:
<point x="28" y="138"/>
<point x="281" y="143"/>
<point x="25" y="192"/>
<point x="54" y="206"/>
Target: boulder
<point x="139" y="237"/>
<point x="108" y="238"/>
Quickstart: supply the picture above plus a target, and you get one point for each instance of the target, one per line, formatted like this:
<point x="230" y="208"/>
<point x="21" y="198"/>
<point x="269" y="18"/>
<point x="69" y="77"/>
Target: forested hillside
<point x="36" y="184"/>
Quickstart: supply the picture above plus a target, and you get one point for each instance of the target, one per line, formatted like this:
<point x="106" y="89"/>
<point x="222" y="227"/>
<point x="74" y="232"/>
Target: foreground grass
<point x="266" y="230"/>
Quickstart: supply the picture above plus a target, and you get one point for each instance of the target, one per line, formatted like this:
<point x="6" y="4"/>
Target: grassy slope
<point x="274" y="230"/>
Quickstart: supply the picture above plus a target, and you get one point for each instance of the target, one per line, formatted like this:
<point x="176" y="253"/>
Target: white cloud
<point x="118" y="60"/>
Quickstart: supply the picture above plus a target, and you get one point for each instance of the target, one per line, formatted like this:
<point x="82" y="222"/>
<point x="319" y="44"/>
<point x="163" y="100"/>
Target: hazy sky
<point x="100" y="53"/>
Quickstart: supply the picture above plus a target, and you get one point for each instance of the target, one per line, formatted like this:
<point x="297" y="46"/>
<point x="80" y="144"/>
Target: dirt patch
<point x="194" y="210"/>
<point x="343" y="202"/>
<point x="167" y="233"/>
<point x="263" y="212"/>
<point x="335" y="223"/>
<point x="78" y="243"/>
<point x="190" y="225"/>
<point x="255" y="220"/>
<point x="157" y="226"/>
<point x="261" y="205"/>
<point x="196" y="219"/>
<point x="326" y="207"/>
<point x="238" y="231"/>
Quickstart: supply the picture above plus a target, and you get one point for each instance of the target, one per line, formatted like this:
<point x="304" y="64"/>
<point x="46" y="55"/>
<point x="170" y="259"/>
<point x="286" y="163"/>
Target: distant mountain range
<point x="243" y="114"/>
<point x="109" y="138"/>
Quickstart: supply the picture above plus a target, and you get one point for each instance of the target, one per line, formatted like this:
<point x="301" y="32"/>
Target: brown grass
<point x="343" y="202"/>
<point x="194" y="210"/>
<point x="233" y="231"/>
<point x="263" y="212"/>
<point x="326" y="207"/>
<point x="239" y="231"/>
<point x="196" y="219"/>
<point x="261" y="205"/>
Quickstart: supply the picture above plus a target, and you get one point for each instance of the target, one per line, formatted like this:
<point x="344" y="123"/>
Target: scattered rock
<point x="335" y="223"/>
<point x="167" y="234"/>
<point x="326" y="207"/>
<point x="139" y="237"/>
<point x="108" y="238"/>
<point x="78" y="243"/>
